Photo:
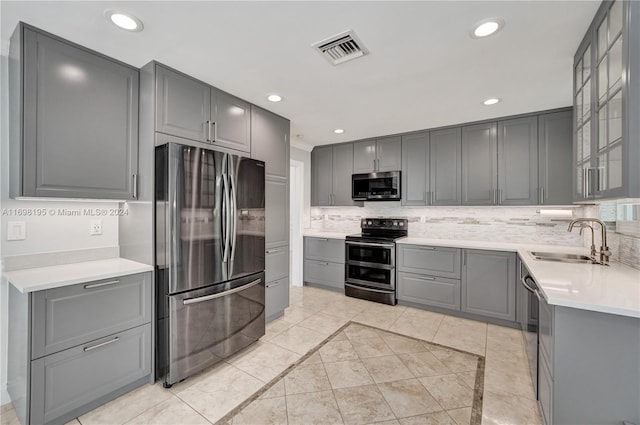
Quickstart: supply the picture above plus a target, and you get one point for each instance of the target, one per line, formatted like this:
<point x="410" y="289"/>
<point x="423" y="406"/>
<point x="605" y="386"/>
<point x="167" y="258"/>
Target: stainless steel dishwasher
<point x="528" y="305"/>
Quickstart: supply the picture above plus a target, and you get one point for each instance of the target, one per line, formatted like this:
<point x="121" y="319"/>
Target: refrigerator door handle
<point x="221" y="294"/>
<point x="234" y="217"/>
<point x="227" y="219"/>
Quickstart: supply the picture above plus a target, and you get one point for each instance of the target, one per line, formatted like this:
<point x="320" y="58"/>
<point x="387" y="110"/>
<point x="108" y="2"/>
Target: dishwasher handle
<point x="525" y="282"/>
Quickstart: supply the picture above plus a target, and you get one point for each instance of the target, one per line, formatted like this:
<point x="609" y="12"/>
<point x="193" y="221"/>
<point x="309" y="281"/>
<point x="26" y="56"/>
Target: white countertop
<point x="613" y="289"/>
<point x="38" y="279"/>
<point x="328" y="235"/>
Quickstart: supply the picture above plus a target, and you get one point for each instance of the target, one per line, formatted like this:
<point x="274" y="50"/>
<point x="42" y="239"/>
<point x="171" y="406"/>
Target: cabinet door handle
<point x="272" y="251"/>
<point x="501" y="196"/>
<point x="598" y="179"/>
<point x="542" y="195"/>
<point x="97" y="285"/>
<point x="429" y="248"/>
<point x="464" y="258"/>
<point x="493" y="196"/>
<point x="102" y="344"/>
<point x="134" y="185"/>
<point x="271" y="285"/>
<point x="433" y="198"/>
<point x="208" y="124"/>
<point x="426" y="198"/>
<point x="215" y="131"/>
<point x="429" y="278"/>
<point x="323" y="239"/>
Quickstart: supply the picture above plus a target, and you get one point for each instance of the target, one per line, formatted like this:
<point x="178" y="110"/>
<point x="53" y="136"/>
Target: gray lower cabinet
<point x="571" y="389"/>
<point x="429" y="290"/>
<point x="383" y="154"/>
<point x="489" y="283"/>
<point x="518" y="161"/>
<point x="429" y="260"/>
<point x="90" y="343"/>
<point x="479" y="283"/>
<point x="554" y="153"/>
<point x="276" y="298"/>
<point x="331" y="170"/>
<point x="277" y="282"/>
<point x="324" y="262"/>
<point x="479" y="164"/>
<point x="70" y="379"/>
<point x="191" y="109"/>
<point x="74" y="133"/>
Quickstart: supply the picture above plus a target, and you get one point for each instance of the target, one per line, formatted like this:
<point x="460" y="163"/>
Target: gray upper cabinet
<point x="384" y="154"/>
<point x="188" y="108"/>
<point x="489" y="283"/>
<point x="364" y="156"/>
<point x="331" y="169"/>
<point x="342" y="170"/>
<point x="322" y="176"/>
<point x="231" y="121"/>
<point x="479" y="164"/>
<point x="445" y="166"/>
<point x="431" y="166"/>
<point x="75" y="133"/>
<point x="554" y="153"/>
<point x="270" y="141"/>
<point x="183" y="105"/>
<point x="607" y="105"/>
<point x="518" y="161"/>
<point x="415" y="171"/>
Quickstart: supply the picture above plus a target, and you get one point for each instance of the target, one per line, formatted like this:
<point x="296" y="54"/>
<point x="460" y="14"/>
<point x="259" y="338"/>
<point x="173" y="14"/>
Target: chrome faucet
<point x="604" y="249"/>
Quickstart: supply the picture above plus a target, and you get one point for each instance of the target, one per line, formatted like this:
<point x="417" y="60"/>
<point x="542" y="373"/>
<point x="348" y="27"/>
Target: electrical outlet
<point x="95" y="227"/>
<point x="16" y="230"/>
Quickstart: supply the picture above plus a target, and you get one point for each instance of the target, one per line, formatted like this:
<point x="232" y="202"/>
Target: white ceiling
<point x="424" y="70"/>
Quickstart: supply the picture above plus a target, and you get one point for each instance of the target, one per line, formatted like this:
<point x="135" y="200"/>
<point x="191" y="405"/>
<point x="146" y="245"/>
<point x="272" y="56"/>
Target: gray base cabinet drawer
<point x="66" y="317"/>
<point x="323" y="249"/>
<point x="324" y="273"/>
<point x="277" y="263"/>
<point x="429" y="290"/>
<point x="72" y="378"/>
<point x="429" y="260"/>
<point x="276" y="297"/>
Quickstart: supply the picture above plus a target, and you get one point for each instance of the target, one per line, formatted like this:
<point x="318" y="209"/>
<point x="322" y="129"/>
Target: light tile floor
<point x="314" y="315"/>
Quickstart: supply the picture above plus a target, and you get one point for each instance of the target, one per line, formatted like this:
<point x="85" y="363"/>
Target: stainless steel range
<point x="371" y="259"/>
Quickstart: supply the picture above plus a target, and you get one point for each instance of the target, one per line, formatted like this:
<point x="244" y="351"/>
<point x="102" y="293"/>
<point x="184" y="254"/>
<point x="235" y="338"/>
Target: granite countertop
<point x="613" y="289"/>
<point x="41" y="278"/>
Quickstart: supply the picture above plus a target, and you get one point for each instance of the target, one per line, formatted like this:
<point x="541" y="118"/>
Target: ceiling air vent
<point x="341" y="48"/>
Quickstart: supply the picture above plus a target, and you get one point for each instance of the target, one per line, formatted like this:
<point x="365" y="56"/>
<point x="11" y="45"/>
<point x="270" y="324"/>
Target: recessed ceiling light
<point x="338" y="131"/>
<point x="124" y="20"/>
<point x="274" y="98"/>
<point x="487" y="27"/>
<point x="491" y="101"/>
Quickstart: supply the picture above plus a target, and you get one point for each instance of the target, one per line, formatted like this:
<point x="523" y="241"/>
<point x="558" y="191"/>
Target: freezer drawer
<point x="205" y="326"/>
<point x="80" y="375"/>
<point x="68" y="316"/>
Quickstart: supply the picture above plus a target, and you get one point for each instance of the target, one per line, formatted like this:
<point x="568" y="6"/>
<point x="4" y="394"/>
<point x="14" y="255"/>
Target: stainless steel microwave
<point x="383" y="186"/>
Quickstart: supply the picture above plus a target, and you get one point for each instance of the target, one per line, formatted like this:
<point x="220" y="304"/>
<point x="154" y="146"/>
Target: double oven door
<point x="371" y="264"/>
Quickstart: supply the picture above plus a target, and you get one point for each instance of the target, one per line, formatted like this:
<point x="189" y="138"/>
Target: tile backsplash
<point x="508" y="224"/>
<point x="496" y="224"/>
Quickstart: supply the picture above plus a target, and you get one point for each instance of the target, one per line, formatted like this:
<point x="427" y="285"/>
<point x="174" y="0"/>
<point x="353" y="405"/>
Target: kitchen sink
<point x="564" y="258"/>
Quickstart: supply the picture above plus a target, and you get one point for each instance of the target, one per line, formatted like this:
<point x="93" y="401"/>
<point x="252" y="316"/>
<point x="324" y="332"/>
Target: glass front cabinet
<point x="606" y="105"/>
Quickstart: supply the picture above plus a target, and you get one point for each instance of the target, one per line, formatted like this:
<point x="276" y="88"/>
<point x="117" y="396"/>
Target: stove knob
<point x="395" y="223"/>
<point x="401" y="224"/>
<point x="369" y="223"/>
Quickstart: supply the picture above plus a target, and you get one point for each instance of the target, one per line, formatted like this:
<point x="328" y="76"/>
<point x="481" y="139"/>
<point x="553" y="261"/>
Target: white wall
<point x="51" y="232"/>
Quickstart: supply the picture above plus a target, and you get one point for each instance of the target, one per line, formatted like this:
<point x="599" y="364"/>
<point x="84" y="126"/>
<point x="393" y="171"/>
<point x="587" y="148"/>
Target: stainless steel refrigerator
<point x="210" y="285"/>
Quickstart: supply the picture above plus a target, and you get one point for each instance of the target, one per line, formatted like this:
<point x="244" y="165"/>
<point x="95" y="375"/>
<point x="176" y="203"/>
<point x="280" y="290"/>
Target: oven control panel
<point x="384" y="223"/>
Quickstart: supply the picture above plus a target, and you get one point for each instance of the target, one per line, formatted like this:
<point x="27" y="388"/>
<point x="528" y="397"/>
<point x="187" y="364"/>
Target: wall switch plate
<point x="16" y="230"/>
<point x="95" y="227"/>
